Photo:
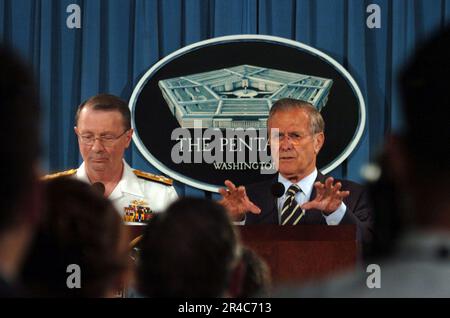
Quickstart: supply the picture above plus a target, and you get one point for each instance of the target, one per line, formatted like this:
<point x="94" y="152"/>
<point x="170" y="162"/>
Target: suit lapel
<point x="320" y="177"/>
<point x="270" y="213"/>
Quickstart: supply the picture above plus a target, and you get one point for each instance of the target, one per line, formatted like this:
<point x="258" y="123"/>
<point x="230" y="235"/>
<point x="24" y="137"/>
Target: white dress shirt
<point x="307" y="185"/>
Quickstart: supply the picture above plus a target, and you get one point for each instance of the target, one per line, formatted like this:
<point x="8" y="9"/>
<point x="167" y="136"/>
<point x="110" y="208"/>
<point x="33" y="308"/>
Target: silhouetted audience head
<point x="191" y="250"/>
<point x="19" y="126"/>
<point x="19" y="189"/>
<point x="424" y="84"/>
<point x="79" y="227"/>
<point x="257" y="279"/>
<point x="419" y="159"/>
<point x="413" y="189"/>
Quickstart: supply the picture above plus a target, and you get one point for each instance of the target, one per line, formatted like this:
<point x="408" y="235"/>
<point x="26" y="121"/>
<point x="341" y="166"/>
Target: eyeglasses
<point x="105" y="140"/>
<point x="294" y="137"/>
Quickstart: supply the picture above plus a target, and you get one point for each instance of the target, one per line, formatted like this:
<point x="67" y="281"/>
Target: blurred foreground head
<point x="424" y="85"/>
<point x="79" y="227"/>
<point x="413" y="189"/>
<point x="19" y="190"/>
<point x="19" y="130"/>
<point x="419" y="159"/>
<point x="257" y="279"/>
<point x="191" y="250"/>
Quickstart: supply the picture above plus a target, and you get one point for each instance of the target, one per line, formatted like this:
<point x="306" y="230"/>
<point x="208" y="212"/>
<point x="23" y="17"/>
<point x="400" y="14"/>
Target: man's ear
<point x="129" y="136"/>
<point x="318" y="140"/>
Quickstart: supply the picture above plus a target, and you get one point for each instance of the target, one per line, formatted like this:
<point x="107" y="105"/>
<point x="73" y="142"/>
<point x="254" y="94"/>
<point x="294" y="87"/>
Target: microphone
<point x="99" y="187"/>
<point x="277" y="189"/>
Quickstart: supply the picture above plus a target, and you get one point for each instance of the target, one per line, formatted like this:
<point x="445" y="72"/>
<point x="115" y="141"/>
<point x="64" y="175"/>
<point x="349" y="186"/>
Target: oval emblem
<point x="200" y="113"/>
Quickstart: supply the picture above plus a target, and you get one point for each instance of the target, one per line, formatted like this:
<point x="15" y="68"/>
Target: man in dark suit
<point x="296" y="136"/>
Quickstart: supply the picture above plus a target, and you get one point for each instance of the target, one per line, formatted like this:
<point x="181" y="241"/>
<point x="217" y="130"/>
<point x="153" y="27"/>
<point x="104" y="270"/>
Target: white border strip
<point x="237" y="38"/>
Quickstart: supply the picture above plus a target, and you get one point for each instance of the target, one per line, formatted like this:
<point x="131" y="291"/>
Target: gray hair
<point x="316" y="122"/>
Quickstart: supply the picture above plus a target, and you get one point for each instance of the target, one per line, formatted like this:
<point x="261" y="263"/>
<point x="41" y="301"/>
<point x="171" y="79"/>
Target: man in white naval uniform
<point x="137" y="186"/>
<point x="103" y="128"/>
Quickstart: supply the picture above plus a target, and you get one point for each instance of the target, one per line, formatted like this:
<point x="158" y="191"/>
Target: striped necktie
<point x="291" y="213"/>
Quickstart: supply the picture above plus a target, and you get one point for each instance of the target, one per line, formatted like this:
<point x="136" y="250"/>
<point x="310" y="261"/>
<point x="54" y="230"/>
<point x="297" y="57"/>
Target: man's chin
<point x="98" y="165"/>
<point x="286" y="173"/>
<point x="287" y="167"/>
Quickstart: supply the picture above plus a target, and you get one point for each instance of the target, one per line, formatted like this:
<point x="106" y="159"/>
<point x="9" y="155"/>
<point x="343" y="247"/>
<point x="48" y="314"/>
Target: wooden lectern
<point x="296" y="253"/>
<point x="303" y="252"/>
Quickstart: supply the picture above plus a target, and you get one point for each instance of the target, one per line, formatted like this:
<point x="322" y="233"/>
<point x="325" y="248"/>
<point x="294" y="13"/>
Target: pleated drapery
<point x="119" y="40"/>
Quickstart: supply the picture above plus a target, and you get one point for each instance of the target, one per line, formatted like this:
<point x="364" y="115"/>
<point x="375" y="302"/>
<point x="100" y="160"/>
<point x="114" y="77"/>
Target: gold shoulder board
<point x="66" y="173"/>
<point x="153" y="177"/>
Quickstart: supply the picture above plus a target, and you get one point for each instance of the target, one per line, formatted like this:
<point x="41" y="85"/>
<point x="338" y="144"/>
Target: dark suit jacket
<point x="358" y="210"/>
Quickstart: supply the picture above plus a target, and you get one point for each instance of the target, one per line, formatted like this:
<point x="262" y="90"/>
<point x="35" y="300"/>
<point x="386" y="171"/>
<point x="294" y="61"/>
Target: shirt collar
<point x="306" y="184"/>
<point x="129" y="183"/>
<point x="81" y="173"/>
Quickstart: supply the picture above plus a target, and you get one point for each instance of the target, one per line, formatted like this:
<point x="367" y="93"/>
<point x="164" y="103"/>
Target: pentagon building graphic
<point x="239" y="96"/>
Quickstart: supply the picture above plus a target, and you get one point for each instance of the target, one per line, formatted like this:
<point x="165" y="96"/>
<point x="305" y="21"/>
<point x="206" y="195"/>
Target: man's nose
<point x="97" y="146"/>
<point x="285" y="143"/>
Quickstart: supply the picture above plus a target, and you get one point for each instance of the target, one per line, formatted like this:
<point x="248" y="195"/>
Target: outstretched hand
<point x="236" y="201"/>
<point x="328" y="197"/>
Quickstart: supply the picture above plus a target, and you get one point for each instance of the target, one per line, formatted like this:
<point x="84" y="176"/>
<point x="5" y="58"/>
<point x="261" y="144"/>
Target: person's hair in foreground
<point x="413" y="189"/>
<point x="190" y="250"/>
<point x="257" y="279"/>
<point x="79" y="227"/>
<point x="424" y="84"/>
<point x="20" y="202"/>
<point x="19" y="126"/>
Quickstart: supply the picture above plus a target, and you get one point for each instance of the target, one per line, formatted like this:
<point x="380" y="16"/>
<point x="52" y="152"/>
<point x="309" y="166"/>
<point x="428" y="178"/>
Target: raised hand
<point x="236" y="201"/>
<point x="328" y="197"/>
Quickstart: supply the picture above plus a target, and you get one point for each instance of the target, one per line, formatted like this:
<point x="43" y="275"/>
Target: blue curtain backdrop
<point x="120" y="39"/>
